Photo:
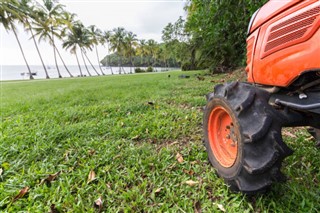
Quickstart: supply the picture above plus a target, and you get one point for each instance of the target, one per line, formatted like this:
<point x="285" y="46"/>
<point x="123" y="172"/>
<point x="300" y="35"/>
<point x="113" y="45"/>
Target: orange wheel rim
<point x="222" y="137"/>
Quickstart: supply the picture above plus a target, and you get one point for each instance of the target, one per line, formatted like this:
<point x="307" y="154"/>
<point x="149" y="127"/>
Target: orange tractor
<point x="243" y="120"/>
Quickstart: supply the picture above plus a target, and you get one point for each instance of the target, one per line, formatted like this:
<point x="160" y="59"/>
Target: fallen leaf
<point x="179" y="158"/>
<point x="98" y="204"/>
<point x="172" y="166"/>
<point x="158" y="190"/>
<point x="91" y="152"/>
<point x="194" y="162"/>
<point x="289" y="134"/>
<point x="191" y="182"/>
<point x="197" y="207"/>
<point x="53" y="209"/>
<point x="117" y="156"/>
<point x="135" y="137"/>
<point x="307" y="139"/>
<point x="91" y="176"/>
<point x="66" y="155"/>
<point x="174" y="143"/>
<point x="21" y="193"/>
<point x="220" y="207"/>
<point x="50" y="178"/>
<point x="188" y="172"/>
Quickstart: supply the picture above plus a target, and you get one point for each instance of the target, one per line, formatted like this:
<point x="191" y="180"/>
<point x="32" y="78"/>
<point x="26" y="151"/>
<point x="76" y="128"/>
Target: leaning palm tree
<point x="86" y="44"/>
<point x="29" y="12"/>
<point x="96" y="35"/>
<point x="72" y="42"/>
<point x="48" y="26"/>
<point x="117" y="44"/>
<point x="129" y="47"/>
<point x="9" y="13"/>
<point x="78" y="37"/>
<point x="105" y="39"/>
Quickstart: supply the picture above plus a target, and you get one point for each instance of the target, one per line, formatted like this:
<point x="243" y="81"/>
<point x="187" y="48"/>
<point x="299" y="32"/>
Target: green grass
<point x="106" y="124"/>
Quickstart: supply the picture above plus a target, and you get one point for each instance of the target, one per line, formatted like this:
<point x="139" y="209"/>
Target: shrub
<point x="149" y="69"/>
<point x="139" y="70"/>
<point x="185" y="66"/>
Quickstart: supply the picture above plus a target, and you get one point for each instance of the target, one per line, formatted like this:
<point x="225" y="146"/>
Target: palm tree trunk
<point x="81" y="75"/>
<point x="111" y="70"/>
<point x="85" y="63"/>
<point x="119" y="65"/>
<point x="65" y="66"/>
<point x="99" y="60"/>
<point x="123" y="70"/>
<point x="108" y="59"/>
<point x="24" y="57"/>
<point x="130" y="65"/>
<point x="55" y="56"/>
<point x="91" y="63"/>
<point x="35" y="43"/>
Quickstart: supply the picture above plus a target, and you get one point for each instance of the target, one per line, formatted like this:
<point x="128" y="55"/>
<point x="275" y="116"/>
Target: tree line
<point x="213" y="36"/>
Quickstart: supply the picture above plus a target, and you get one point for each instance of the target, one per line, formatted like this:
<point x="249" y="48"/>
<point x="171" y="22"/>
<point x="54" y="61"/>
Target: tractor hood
<point x="270" y="10"/>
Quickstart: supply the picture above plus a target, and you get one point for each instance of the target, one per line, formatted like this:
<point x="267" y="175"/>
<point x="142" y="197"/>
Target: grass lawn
<point x="135" y="142"/>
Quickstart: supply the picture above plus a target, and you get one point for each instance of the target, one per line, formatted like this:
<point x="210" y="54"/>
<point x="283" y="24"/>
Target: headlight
<point x="251" y="21"/>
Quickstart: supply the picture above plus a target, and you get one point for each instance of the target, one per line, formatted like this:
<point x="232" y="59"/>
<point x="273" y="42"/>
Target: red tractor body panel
<point x="270" y="10"/>
<point x="287" y="45"/>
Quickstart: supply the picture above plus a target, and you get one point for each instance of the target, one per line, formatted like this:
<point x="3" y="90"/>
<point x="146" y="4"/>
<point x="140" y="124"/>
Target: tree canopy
<point x="218" y="31"/>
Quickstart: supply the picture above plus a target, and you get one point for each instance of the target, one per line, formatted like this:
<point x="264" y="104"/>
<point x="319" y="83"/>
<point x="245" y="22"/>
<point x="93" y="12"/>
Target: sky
<point x="146" y="18"/>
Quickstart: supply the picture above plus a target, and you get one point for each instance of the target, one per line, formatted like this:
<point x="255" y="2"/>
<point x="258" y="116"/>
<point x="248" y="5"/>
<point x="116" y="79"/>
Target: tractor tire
<point x="243" y="139"/>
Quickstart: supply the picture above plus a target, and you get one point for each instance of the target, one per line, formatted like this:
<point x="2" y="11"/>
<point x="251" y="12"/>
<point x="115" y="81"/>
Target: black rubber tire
<point x="261" y="149"/>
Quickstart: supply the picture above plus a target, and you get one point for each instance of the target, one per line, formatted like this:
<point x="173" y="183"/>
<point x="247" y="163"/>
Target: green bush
<point x="149" y="69"/>
<point x="219" y="31"/>
<point x="139" y="70"/>
<point x="187" y="66"/>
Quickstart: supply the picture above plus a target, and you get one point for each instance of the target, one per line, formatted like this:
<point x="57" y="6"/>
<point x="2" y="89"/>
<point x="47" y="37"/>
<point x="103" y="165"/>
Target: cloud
<point x="141" y="17"/>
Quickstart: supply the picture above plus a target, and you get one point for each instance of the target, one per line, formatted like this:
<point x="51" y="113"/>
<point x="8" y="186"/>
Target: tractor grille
<point x="287" y="32"/>
<point x="250" y="43"/>
<point x="250" y="47"/>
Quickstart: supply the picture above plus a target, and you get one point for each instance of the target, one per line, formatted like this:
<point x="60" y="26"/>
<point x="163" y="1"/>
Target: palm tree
<point x="151" y="49"/>
<point x="159" y="55"/>
<point x="96" y="35"/>
<point x="73" y="42"/>
<point x="30" y="13"/>
<point x="78" y="37"/>
<point x="130" y="44"/>
<point x="65" y="22"/>
<point x="9" y="13"/>
<point x="105" y="39"/>
<point x="47" y="26"/>
<point x="142" y="50"/>
<point x="118" y="44"/>
<point x="86" y="44"/>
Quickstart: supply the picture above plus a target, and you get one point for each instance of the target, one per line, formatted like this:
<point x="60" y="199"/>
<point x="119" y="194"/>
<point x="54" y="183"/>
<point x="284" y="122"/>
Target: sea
<point x="20" y="72"/>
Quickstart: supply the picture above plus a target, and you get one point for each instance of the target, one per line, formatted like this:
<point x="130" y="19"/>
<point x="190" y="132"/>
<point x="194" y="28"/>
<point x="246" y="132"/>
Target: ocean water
<point x="20" y="72"/>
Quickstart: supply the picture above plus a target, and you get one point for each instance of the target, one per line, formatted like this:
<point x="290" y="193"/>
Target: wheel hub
<point x="223" y="137"/>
